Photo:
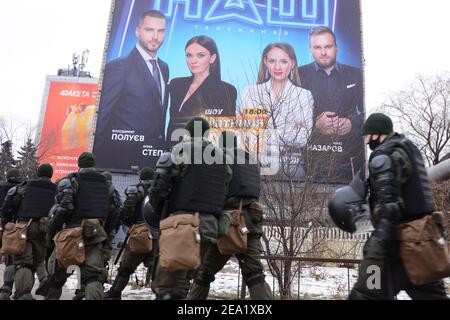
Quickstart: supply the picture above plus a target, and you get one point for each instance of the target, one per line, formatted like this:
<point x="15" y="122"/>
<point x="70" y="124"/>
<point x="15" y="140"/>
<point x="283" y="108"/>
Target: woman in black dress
<point x="203" y="94"/>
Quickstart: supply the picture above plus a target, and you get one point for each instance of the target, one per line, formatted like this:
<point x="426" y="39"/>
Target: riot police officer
<point x="30" y="203"/>
<point x="113" y="222"/>
<point x="131" y="215"/>
<point x="83" y="196"/>
<point x="111" y="227"/>
<point x="188" y="186"/>
<point x="13" y="178"/>
<point x="245" y="187"/>
<point x="399" y="192"/>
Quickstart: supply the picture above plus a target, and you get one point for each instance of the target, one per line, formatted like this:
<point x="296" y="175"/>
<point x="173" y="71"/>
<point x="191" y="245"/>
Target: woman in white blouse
<point x="288" y="109"/>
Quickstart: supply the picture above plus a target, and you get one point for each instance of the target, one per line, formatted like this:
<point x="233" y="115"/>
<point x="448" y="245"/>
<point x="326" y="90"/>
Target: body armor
<point x="416" y="192"/>
<point x="39" y="197"/>
<point x="92" y="199"/>
<point x="200" y="188"/>
<point x="245" y="182"/>
<point x="137" y="214"/>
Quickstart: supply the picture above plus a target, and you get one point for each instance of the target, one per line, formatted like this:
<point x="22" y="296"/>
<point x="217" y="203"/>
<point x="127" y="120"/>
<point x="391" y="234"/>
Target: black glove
<point x="381" y="241"/>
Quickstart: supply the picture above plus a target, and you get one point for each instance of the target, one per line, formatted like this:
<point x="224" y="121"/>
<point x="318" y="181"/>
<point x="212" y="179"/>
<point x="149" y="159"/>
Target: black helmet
<point x="339" y="208"/>
<point x="348" y="206"/>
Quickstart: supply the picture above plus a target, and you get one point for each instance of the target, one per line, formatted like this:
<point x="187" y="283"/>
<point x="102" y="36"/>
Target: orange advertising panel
<point x="67" y="125"/>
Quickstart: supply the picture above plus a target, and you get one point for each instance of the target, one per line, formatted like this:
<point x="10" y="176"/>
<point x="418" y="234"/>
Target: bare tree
<point x="423" y="112"/>
<point x="8" y="130"/>
<point x="294" y="210"/>
<point x="14" y="134"/>
<point x="16" y="131"/>
<point x="294" y="205"/>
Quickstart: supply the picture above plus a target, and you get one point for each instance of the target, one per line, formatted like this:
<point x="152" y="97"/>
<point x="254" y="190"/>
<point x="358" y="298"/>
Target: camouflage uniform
<point x="30" y="201"/>
<point x="13" y="179"/>
<point x="131" y="214"/>
<point x="112" y="224"/>
<point x="167" y="191"/>
<point x="111" y="227"/>
<point x="96" y="231"/>
<point x="244" y="185"/>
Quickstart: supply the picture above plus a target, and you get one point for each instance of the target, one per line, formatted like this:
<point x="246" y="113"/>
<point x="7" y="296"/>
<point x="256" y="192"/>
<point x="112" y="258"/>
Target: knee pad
<point x="7" y="288"/>
<point x="253" y="278"/>
<point x="125" y="272"/>
<point x="204" y="277"/>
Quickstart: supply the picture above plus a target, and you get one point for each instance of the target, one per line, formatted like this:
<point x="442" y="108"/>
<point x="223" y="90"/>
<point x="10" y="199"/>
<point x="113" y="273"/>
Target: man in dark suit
<point x="336" y="147"/>
<point x="131" y="117"/>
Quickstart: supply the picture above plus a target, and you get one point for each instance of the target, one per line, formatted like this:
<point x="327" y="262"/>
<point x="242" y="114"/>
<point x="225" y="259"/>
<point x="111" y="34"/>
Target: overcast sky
<point x="402" y="38"/>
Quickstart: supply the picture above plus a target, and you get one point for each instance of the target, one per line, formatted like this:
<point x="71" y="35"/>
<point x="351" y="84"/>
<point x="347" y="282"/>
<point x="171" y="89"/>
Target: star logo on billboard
<point x="238" y="4"/>
<point x="228" y="9"/>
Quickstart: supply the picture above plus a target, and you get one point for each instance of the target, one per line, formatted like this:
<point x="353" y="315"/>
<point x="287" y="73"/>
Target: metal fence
<point x="274" y="232"/>
<point x="341" y="263"/>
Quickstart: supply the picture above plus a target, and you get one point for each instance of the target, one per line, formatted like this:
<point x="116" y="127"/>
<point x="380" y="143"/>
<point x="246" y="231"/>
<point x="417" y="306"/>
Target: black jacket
<point x="342" y="93"/>
<point x="212" y="98"/>
<point x="346" y="96"/>
<point x="129" y="101"/>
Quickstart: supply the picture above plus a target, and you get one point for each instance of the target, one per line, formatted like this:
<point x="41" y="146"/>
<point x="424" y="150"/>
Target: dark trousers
<point x="383" y="278"/>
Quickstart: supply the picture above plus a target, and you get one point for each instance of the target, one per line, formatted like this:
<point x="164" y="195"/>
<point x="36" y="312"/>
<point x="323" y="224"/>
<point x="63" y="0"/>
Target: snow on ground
<point x="319" y="283"/>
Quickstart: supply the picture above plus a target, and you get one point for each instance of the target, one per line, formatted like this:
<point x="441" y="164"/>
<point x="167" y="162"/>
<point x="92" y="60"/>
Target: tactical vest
<point x="4" y="188"/>
<point x="245" y="182"/>
<point x="202" y="189"/>
<point x="39" y="197"/>
<point x="92" y="199"/>
<point x="416" y="192"/>
<point x="138" y="214"/>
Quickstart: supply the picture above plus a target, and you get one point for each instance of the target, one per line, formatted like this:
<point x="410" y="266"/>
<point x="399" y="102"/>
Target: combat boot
<point x="53" y="293"/>
<point x="198" y="292"/>
<point x="80" y="294"/>
<point x="5" y="293"/>
<point x="260" y="291"/>
<point x="115" y="292"/>
<point x="174" y="294"/>
<point x="42" y="290"/>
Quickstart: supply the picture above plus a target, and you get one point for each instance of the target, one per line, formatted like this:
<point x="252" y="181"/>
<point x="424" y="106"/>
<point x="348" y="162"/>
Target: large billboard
<point x="66" y="124"/>
<point x="311" y="116"/>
